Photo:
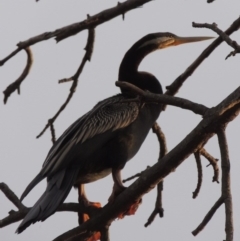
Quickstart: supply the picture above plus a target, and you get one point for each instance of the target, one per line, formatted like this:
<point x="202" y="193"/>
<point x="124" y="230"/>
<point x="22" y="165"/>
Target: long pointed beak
<point x="182" y="40"/>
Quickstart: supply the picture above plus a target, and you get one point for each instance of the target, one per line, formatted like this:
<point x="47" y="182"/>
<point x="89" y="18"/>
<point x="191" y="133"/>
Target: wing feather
<point x="111" y="114"/>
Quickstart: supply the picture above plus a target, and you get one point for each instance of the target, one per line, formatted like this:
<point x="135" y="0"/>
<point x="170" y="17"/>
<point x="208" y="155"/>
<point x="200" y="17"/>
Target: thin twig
<point x="224" y="36"/>
<point x="164" y="99"/>
<point x="53" y="133"/>
<point x="134" y="176"/>
<point x="208" y="217"/>
<point x="200" y="173"/>
<point x="16" y="84"/>
<point x="11" y="196"/>
<point x="87" y="57"/>
<point x="158" y="209"/>
<point x="226" y="183"/>
<point x="213" y="162"/>
<point x="3" y="61"/>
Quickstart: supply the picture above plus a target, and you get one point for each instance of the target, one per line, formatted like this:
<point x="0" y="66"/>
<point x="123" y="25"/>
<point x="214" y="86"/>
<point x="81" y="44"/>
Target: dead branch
<point x="164" y="99"/>
<point x="158" y="209"/>
<point x="134" y="176"/>
<point x="226" y="196"/>
<point x="53" y="133"/>
<point x="224" y="36"/>
<point x="208" y="217"/>
<point x="89" y="51"/>
<point x="87" y="57"/>
<point x="16" y="84"/>
<point x="213" y="162"/>
<point x="72" y="29"/>
<point x="178" y="82"/>
<point x="212" y="121"/>
<point x="200" y="173"/>
<point x="226" y="183"/>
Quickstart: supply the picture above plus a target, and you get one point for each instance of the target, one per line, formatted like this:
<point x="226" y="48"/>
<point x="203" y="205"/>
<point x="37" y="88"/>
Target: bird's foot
<point x="131" y="210"/>
<point x="83" y="217"/>
<point x="89" y="206"/>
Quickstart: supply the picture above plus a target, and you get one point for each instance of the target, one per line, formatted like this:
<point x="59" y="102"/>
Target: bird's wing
<point x="111" y="114"/>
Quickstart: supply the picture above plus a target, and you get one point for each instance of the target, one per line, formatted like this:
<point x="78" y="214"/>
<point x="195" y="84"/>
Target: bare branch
<point x="53" y="133"/>
<point x="226" y="196"/>
<point x="158" y="209"/>
<point x="164" y="99"/>
<point x="134" y="176"/>
<point x="16" y="84"/>
<point x="226" y="186"/>
<point x="158" y="206"/>
<point x="11" y="196"/>
<point x="200" y="174"/>
<point x="224" y="36"/>
<point x="87" y="57"/>
<point x="178" y="82"/>
<point x="208" y="217"/>
<point x="213" y="162"/>
<point x="3" y="61"/>
<point x="89" y="51"/>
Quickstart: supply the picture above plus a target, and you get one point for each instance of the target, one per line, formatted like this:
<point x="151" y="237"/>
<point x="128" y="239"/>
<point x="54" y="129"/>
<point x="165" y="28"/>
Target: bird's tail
<point x="57" y="190"/>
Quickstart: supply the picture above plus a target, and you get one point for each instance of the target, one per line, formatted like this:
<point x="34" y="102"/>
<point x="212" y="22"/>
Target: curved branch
<point x="164" y="99"/>
<point x="16" y="84"/>
<point x="199" y="168"/>
<point x="213" y="162"/>
<point x="208" y="217"/>
<point x="224" y="36"/>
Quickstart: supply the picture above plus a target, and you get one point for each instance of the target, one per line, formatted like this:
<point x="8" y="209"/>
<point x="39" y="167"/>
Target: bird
<point x="103" y="140"/>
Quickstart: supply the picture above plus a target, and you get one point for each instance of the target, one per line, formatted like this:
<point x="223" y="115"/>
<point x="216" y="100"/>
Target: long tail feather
<point x="31" y="185"/>
<point x="54" y="195"/>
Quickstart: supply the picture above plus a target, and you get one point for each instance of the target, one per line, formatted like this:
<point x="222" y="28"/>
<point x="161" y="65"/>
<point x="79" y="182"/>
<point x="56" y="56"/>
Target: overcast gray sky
<point x="24" y="116"/>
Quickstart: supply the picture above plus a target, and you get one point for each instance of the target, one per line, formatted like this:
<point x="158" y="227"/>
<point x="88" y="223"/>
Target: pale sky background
<point x="24" y="116"/>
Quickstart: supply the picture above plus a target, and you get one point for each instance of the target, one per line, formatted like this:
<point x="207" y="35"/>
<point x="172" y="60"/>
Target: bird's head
<point x="129" y="67"/>
<point x="152" y="42"/>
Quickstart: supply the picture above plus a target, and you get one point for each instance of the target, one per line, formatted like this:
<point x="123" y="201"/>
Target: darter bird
<point x="105" y="138"/>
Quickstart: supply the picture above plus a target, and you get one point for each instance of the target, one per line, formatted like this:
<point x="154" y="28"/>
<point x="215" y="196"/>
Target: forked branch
<point x="75" y="78"/>
<point x="226" y="196"/>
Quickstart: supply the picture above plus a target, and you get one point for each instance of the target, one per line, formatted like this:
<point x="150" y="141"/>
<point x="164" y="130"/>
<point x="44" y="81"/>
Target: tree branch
<point x="224" y="36"/>
<point x="16" y="84"/>
<point x="72" y="29"/>
<point x="226" y="186"/>
<point x="158" y="209"/>
<point x="164" y="99"/>
<point x="200" y="173"/>
<point x="178" y="82"/>
<point x="213" y="162"/>
<point x="226" y="196"/>
<point x="208" y="217"/>
<point x="87" y="57"/>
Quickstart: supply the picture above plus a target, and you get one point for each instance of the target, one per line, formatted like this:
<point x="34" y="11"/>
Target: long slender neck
<point x="128" y="70"/>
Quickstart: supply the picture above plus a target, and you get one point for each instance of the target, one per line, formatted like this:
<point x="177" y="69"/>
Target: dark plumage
<point x="105" y="138"/>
